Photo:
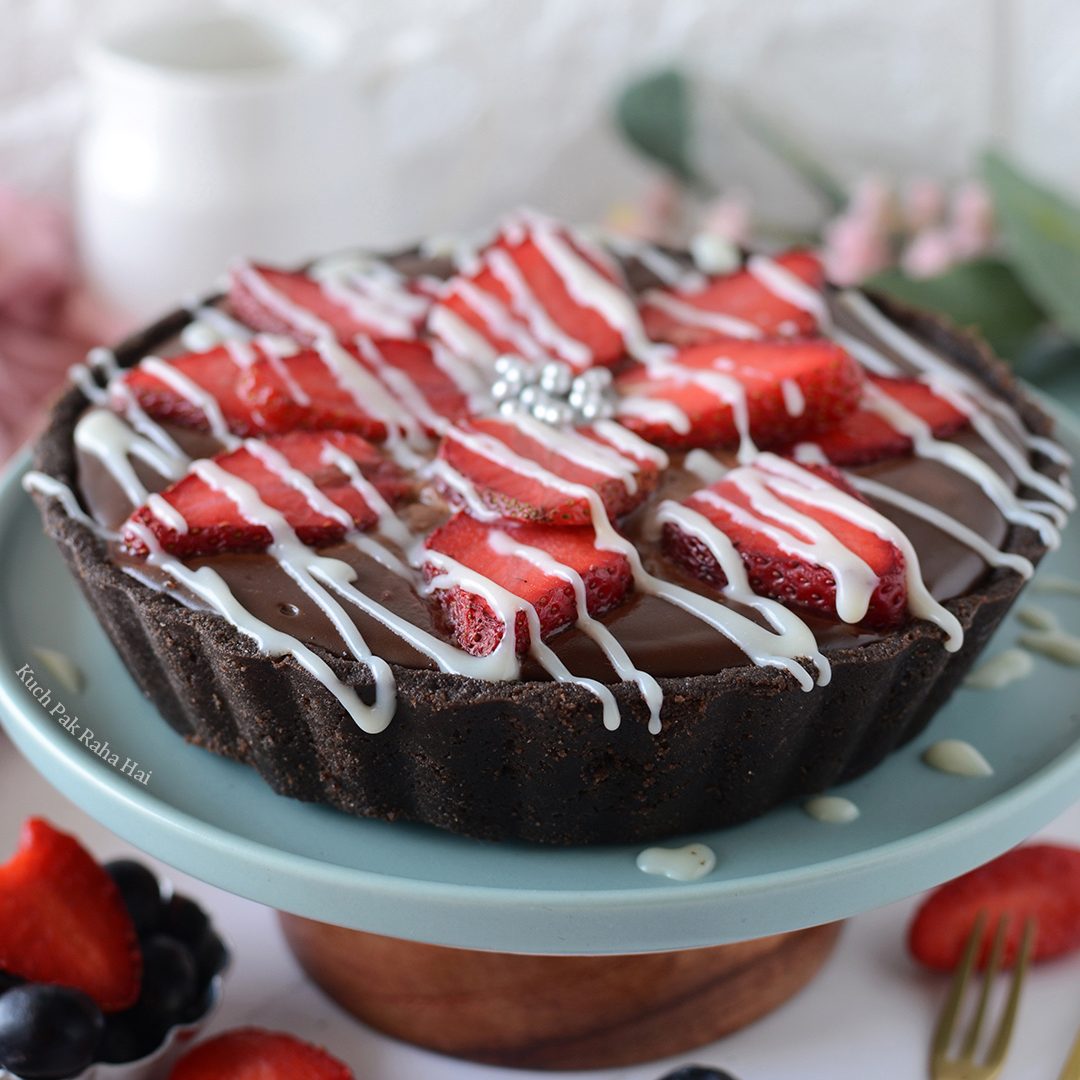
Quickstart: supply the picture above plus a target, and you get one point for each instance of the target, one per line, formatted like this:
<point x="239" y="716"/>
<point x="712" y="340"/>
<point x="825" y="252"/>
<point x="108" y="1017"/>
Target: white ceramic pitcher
<point x="224" y="131"/>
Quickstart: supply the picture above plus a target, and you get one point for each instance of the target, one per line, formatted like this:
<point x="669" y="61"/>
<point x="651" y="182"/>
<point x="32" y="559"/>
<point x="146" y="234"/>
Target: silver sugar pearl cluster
<point x="551" y="392"/>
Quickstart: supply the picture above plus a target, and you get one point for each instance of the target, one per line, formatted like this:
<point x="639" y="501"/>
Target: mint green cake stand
<point x="218" y="821"/>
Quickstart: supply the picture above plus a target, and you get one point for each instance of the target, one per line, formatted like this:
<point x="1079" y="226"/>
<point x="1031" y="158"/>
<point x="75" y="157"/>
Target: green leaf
<point x="1041" y="233"/>
<point x="654" y="114"/>
<point x="985" y="294"/>
<point x="806" y="165"/>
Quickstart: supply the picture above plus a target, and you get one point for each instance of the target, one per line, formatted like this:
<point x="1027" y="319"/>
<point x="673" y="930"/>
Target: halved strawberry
<point x="792" y="388"/>
<point x="306" y="308"/>
<point x="483" y="450"/>
<point x="216" y="372"/>
<point x="63" y="921"/>
<point x="864" y="436"/>
<point x="478" y="628"/>
<point x="538" y="290"/>
<point x="780" y="557"/>
<point x="215" y="523"/>
<point x="257" y="1054"/>
<point x="1037" y="881"/>
<point x="745" y="305"/>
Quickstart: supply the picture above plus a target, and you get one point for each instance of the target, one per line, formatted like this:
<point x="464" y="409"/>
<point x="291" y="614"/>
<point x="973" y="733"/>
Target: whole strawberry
<point x="1037" y="881"/>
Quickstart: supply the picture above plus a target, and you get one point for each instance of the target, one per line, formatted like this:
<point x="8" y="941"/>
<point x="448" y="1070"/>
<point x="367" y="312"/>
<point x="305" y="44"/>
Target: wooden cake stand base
<point x="556" y="1012"/>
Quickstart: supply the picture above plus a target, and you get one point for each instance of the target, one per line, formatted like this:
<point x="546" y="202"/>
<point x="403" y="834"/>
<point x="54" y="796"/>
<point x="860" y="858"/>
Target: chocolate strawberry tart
<point x="556" y="540"/>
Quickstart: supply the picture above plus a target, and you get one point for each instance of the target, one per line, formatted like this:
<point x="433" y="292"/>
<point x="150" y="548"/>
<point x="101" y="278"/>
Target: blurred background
<point x="862" y="125"/>
<point x="476" y="105"/>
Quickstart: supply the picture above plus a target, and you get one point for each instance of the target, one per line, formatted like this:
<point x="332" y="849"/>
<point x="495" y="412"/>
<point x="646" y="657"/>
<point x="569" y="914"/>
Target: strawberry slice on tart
<point x="63" y="920"/>
<point x="865" y="435"/>
<point x="201" y="390"/>
<point x="323" y="484"/>
<point x="309" y="306"/>
<point x="754" y="302"/>
<point x="705" y="395"/>
<point x="539" y="290"/>
<point x="520" y="468"/>
<point x="497" y="567"/>
<point x="369" y="387"/>
<point x="803" y="540"/>
<point x="256" y="388"/>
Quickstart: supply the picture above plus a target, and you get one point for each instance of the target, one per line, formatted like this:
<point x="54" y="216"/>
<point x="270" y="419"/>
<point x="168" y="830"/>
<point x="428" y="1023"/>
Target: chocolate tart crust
<point x="531" y="760"/>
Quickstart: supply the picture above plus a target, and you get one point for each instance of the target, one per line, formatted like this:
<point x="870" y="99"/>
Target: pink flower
<point x="929" y="253"/>
<point x="37" y="259"/>
<point x="972" y="220"/>
<point x="729" y="217"/>
<point x="857" y="244"/>
<point x="924" y="203"/>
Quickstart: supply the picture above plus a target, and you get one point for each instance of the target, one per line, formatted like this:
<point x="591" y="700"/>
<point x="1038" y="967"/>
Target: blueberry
<point x="697" y="1072"/>
<point x="169" y="980"/>
<point x="185" y="921"/>
<point x="198" y="1006"/>
<point x="47" y="1032"/>
<point x="211" y="956"/>
<point x="127" y="1037"/>
<point x="140" y="892"/>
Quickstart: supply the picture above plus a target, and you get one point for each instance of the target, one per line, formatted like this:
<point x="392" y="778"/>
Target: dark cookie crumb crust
<point x="532" y="760"/>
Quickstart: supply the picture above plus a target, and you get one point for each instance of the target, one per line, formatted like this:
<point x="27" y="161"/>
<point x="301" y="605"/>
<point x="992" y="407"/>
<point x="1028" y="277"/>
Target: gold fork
<point x="1071" y="1069"/>
<point x="963" y="1066"/>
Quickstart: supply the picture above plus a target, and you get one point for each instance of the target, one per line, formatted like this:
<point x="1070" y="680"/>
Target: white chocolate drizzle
<point x="689" y="863"/>
<point x="831" y="809"/>
<point x="62" y="668"/>
<point x="991" y="555"/>
<point x="1057" y="645"/>
<point x="1056" y="583"/>
<point x="1008" y="666"/>
<point x="659" y="263"/>
<point x="1038" y="618"/>
<point x="690" y="315"/>
<point x="958" y="758"/>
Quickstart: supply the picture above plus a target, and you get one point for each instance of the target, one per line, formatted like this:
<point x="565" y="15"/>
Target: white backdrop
<point x="481" y="104"/>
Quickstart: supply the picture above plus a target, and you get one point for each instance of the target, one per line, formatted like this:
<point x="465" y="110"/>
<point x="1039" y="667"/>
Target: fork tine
<point x="946" y="1024"/>
<point x="1071" y="1069"/>
<point x="971" y="1041"/>
<point x="1000" y="1045"/>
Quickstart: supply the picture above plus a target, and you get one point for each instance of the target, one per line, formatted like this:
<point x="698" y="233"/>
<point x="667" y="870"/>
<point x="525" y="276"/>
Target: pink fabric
<point x="48" y="317"/>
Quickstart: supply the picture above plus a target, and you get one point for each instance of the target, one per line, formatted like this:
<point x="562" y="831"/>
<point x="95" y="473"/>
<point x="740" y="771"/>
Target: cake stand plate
<point x="785" y="871"/>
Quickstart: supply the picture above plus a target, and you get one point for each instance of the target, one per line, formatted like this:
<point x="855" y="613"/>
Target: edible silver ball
<point x="556" y="377"/>
<point x="513" y="369"/>
<point x="598" y="378"/>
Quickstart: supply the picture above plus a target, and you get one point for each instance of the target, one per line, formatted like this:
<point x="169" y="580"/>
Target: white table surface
<point x="866" y="1017"/>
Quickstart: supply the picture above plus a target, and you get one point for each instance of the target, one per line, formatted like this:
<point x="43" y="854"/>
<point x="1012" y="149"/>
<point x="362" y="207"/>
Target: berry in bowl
<point x="102" y="973"/>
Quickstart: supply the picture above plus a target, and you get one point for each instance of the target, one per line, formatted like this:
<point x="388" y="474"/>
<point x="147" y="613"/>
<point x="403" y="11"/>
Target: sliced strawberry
<point x="735" y="305"/>
<point x="215" y="522"/>
<point x="367" y="387"/>
<point x="216" y="373"/>
<point x="539" y="290"/>
<point x="783" y="567"/>
<point x="864" y="436"/>
<point x="256" y="1054"/>
<point x="483" y="452"/>
<point x="1037" y="881"/>
<point x="306" y="308"/>
<point x="63" y="921"/>
<point x="793" y="388"/>
<point x="478" y="628"/>
<point x="411" y="371"/>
